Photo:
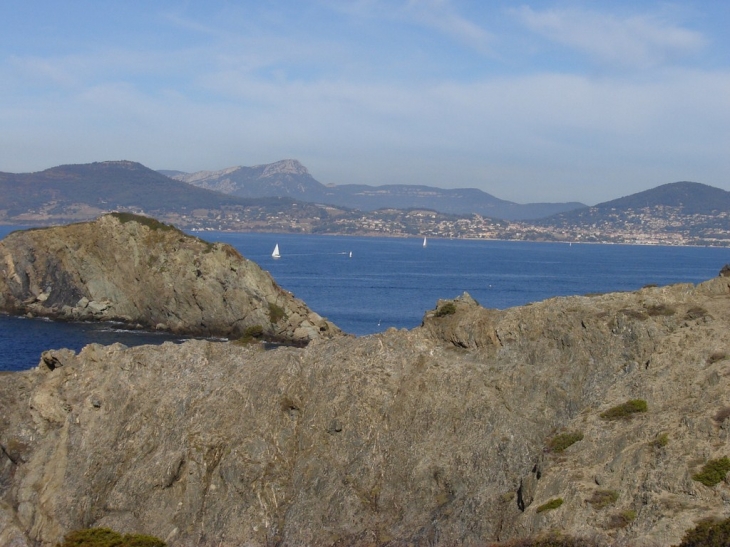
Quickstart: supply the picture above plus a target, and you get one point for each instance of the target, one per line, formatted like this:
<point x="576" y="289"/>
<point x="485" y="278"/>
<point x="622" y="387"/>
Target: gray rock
<point x="435" y="436"/>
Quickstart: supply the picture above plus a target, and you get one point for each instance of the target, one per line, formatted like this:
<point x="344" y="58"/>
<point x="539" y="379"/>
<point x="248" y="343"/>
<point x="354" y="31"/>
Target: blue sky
<point x="529" y="101"/>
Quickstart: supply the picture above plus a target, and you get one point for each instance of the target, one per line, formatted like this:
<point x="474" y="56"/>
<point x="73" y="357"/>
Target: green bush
<point x="151" y="223"/>
<point x="622" y="519"/>
<point x="625" y="410"/>
<point x="660" y="309"/>
<point x="713" y="472"/>
<point x="550" y="505"/>
<point x="104" y="537"/>
<point x="661" y="440"/>
<point x="564" y="440"/>
<point x="446" y="309"/>
<point x="603" y="498"/>
<point x="554" y="539"/>
<point x="708" y="533"/>
<point x="722" y="414"/>
<point x="250" y="335"/>
<point x="695" y="312"/>
<point x="276" y="313"/>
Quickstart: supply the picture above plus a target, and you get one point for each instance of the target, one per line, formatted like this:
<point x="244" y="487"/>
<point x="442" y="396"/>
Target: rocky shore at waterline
<point x="593" y="416"/>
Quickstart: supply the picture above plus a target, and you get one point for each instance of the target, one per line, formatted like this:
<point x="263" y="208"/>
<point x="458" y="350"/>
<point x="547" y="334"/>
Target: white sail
<point x="424" y="241"/>
<point x="276" y="254"/>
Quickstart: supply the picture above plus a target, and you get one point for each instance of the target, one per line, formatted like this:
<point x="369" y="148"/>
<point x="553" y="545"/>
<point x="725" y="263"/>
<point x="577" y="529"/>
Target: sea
<point x="366" y="285"/>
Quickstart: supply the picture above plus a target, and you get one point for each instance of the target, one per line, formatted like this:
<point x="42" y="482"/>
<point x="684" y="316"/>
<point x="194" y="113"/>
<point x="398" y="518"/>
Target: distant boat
<point x="350" y="254"/>
<point x="276" y="254"/>
<point x="424" y="242"/>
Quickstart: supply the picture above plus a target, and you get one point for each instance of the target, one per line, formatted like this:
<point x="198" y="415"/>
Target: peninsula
<point x="147" y="274"/>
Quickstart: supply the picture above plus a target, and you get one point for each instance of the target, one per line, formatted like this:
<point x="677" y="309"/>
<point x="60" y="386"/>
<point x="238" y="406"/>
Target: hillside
<point x="291" y="179"/>
<point x="593" y="416"/>
<point x="80" y="192"/>
<point x="689" y="198"/>
<point x="691" y="210"/>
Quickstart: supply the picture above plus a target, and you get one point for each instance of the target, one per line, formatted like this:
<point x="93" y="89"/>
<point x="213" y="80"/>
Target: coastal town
<point x="649" y="226"/>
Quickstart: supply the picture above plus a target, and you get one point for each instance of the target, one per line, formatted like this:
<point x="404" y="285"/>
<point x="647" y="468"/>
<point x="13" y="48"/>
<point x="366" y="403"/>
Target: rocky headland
<point x="136" y="270"/>
<point x="594" y="416"/>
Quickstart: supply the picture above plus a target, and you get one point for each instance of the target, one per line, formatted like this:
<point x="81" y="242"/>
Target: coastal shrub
<point x="716" y="356"/>
<point x="626" y="410"/>
<point x="622" y="519"/>
<point x="661" y="440"/>
<point x="661" y="309"/>
<point x="276" y="313"/>
<point x="634" y="314"/>
<point x="708" y="533"/>
<point x="250" y="335"/>
<point x="603" y="498"/>
<point x="564" y="440"/>
<point x="446" y="309"/>
<point x="209" y="247"/>
<point x="229" y="250"/>
<point x="695" y="312"/>
<point x="550" y="505"/>
<point x="722" y="414"/>
<point x="713" y="472"/>
<point x="151" y="223"/>
<point x="552" y="539"/>
<point x="104" y="537"/>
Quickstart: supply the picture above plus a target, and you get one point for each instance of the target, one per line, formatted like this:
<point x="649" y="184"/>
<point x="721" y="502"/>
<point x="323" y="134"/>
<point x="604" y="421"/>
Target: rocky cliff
<point x="133" y="269"/>
<point x="478" y="426"/>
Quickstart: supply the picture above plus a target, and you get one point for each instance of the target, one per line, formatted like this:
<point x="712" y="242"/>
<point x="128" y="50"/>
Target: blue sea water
<point x="391" y="282"/>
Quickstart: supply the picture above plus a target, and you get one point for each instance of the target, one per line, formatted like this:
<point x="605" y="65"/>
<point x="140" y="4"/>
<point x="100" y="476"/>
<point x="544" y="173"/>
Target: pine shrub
<point x="564" y="440"/>
<point x="626" y="410"/>
<point x="550" y="505"/>
<point x="713" y="472"/>
<point x="708" y="533"/>
<point x="104" y="537"/>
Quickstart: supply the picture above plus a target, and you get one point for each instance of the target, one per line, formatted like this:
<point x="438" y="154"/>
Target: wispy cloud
<point x="443" y="16"/>
<point x="631" y="41"/>
<point x="439" y="15"/>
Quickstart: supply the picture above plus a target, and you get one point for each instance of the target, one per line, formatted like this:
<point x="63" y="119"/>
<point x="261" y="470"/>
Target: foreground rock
<point x="134" y="269"/>
<point x="437" y="436"/>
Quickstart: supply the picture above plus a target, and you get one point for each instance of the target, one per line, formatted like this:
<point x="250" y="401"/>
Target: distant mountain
<point x="291" y="179"/>
<point x="686" y="198"/>
<point x="691" y="198"/>
<point x="694" y="210"/>
<point x="286" y="178"/>
<point x="82" y="191"/>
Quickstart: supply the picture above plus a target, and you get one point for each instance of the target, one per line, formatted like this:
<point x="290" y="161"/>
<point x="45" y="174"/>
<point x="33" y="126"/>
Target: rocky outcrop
<point x="133" y="269"/>
<point x="443" y="435"/>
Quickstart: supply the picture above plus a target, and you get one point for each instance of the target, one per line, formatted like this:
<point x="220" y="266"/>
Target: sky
<point x="530" y="101"/>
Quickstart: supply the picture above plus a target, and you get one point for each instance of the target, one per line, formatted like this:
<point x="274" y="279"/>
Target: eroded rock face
<point x="437" y="436"/>
<point x="142" y="272"/>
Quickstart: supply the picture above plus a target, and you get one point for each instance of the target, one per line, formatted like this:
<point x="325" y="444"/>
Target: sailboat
<point x="350" y="254"/>
<point x="424" y="241"/>
<point x="276" y="254"/>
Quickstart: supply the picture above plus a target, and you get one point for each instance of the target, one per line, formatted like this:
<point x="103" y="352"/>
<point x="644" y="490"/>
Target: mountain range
<point x="274" y="199"/>
<point x="84" y="191"/>
<point x="289" y="178"/>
